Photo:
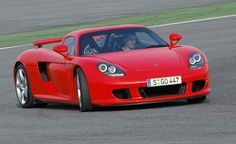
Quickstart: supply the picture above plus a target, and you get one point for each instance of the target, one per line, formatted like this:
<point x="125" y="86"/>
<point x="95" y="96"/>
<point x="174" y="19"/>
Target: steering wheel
<point x="89" y="50"/>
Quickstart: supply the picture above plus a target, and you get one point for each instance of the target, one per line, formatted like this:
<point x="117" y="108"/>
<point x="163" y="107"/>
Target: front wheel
<point x="196" y="100"/>
<point x="82" y="91"/>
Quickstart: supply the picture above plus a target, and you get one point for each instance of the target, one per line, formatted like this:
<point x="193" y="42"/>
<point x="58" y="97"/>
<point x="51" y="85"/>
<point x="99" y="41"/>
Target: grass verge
<point x="155" y="18"/>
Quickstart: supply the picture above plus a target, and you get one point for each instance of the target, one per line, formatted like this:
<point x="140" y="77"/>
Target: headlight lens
<point x="197" y="57"/>
<point x="195" y="60"/>
<point x="102" y="67"/>
<point x="110" y="69"/>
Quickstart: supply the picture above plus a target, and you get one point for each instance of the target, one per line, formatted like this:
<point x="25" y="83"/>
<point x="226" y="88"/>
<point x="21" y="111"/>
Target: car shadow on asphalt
<point x="148" y="106"/>
<point x="56" y="106"/>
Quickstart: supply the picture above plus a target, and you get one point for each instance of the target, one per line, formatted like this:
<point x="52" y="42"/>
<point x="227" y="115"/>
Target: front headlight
<point x="110" y="69"/>
<point x="195" y="60"/>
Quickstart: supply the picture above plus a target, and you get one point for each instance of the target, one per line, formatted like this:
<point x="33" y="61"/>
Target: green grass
<point x="163" y="17"/>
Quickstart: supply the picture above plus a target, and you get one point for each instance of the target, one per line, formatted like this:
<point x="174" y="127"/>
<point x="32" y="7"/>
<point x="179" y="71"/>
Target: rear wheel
<point x="196" y="100"/>
<point x="82" y="91"/>
<point x="22" y="87"/>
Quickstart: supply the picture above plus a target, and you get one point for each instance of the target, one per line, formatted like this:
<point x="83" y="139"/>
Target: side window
<point x="70" y="42"/>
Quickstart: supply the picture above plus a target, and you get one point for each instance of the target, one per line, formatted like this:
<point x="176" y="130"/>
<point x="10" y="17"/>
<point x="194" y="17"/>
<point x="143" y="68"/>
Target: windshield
<point x="119" y="40"/>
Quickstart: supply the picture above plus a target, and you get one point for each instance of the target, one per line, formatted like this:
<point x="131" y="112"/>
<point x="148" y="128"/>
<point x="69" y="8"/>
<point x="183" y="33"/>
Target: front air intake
<point x="122" y="93"/>
<point x="146" y="92"/>
<point x="198" y="85"/>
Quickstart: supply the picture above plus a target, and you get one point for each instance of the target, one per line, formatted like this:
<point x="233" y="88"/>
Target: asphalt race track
<point x="210" y="122"/>
<point x="29" y="15"/>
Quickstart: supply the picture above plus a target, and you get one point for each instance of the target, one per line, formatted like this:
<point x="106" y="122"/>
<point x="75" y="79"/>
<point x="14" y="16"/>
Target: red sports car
<point x="108" y="66"/>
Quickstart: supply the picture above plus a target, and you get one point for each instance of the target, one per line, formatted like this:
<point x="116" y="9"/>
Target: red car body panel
<point x="138" y="65"/>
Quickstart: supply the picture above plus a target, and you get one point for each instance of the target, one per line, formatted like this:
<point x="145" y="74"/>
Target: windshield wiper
<point x="152" y="46"/>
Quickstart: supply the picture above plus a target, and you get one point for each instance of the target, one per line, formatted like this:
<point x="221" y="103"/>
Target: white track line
<point x="154" y="26"/>
<point x="193" y="21"/>
<point x="17" y="46"/>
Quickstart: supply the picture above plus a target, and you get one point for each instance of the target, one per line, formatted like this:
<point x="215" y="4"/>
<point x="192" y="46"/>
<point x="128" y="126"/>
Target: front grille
<point x="162" y="90"/>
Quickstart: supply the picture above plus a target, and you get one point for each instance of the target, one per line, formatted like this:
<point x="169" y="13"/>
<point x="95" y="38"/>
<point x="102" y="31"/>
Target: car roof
<point x="89" y="30"/>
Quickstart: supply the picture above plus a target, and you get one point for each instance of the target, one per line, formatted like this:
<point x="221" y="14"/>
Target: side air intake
<point x="43" y="71"/>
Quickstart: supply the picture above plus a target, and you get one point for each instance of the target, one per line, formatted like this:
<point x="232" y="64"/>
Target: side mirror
<point x="62" y="49"/>
<point x="174" y="39"/>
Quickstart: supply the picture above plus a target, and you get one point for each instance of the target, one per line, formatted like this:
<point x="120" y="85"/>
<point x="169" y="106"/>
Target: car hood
<point x="144" y="59"/>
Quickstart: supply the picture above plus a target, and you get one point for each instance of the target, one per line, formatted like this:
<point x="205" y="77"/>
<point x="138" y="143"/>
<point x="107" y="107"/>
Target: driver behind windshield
<point x="130" y="42"/>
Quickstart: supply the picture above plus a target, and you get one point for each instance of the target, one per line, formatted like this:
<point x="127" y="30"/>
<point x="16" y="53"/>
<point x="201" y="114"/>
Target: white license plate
<point x="164" y="81"/>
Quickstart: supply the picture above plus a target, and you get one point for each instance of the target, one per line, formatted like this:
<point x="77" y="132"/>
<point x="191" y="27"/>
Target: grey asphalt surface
<point x="27" y="15"/>
<point x="210" y="122"/>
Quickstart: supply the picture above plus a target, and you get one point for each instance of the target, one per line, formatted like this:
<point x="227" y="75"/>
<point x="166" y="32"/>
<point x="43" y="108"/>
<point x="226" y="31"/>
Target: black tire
<point x="84" y="100"/>
<point x="28" y="102"/>
<point x="196" y="100"/>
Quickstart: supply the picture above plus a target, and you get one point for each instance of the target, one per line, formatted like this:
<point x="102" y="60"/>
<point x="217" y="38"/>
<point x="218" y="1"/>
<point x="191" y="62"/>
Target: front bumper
<point x="101" y="88"/>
